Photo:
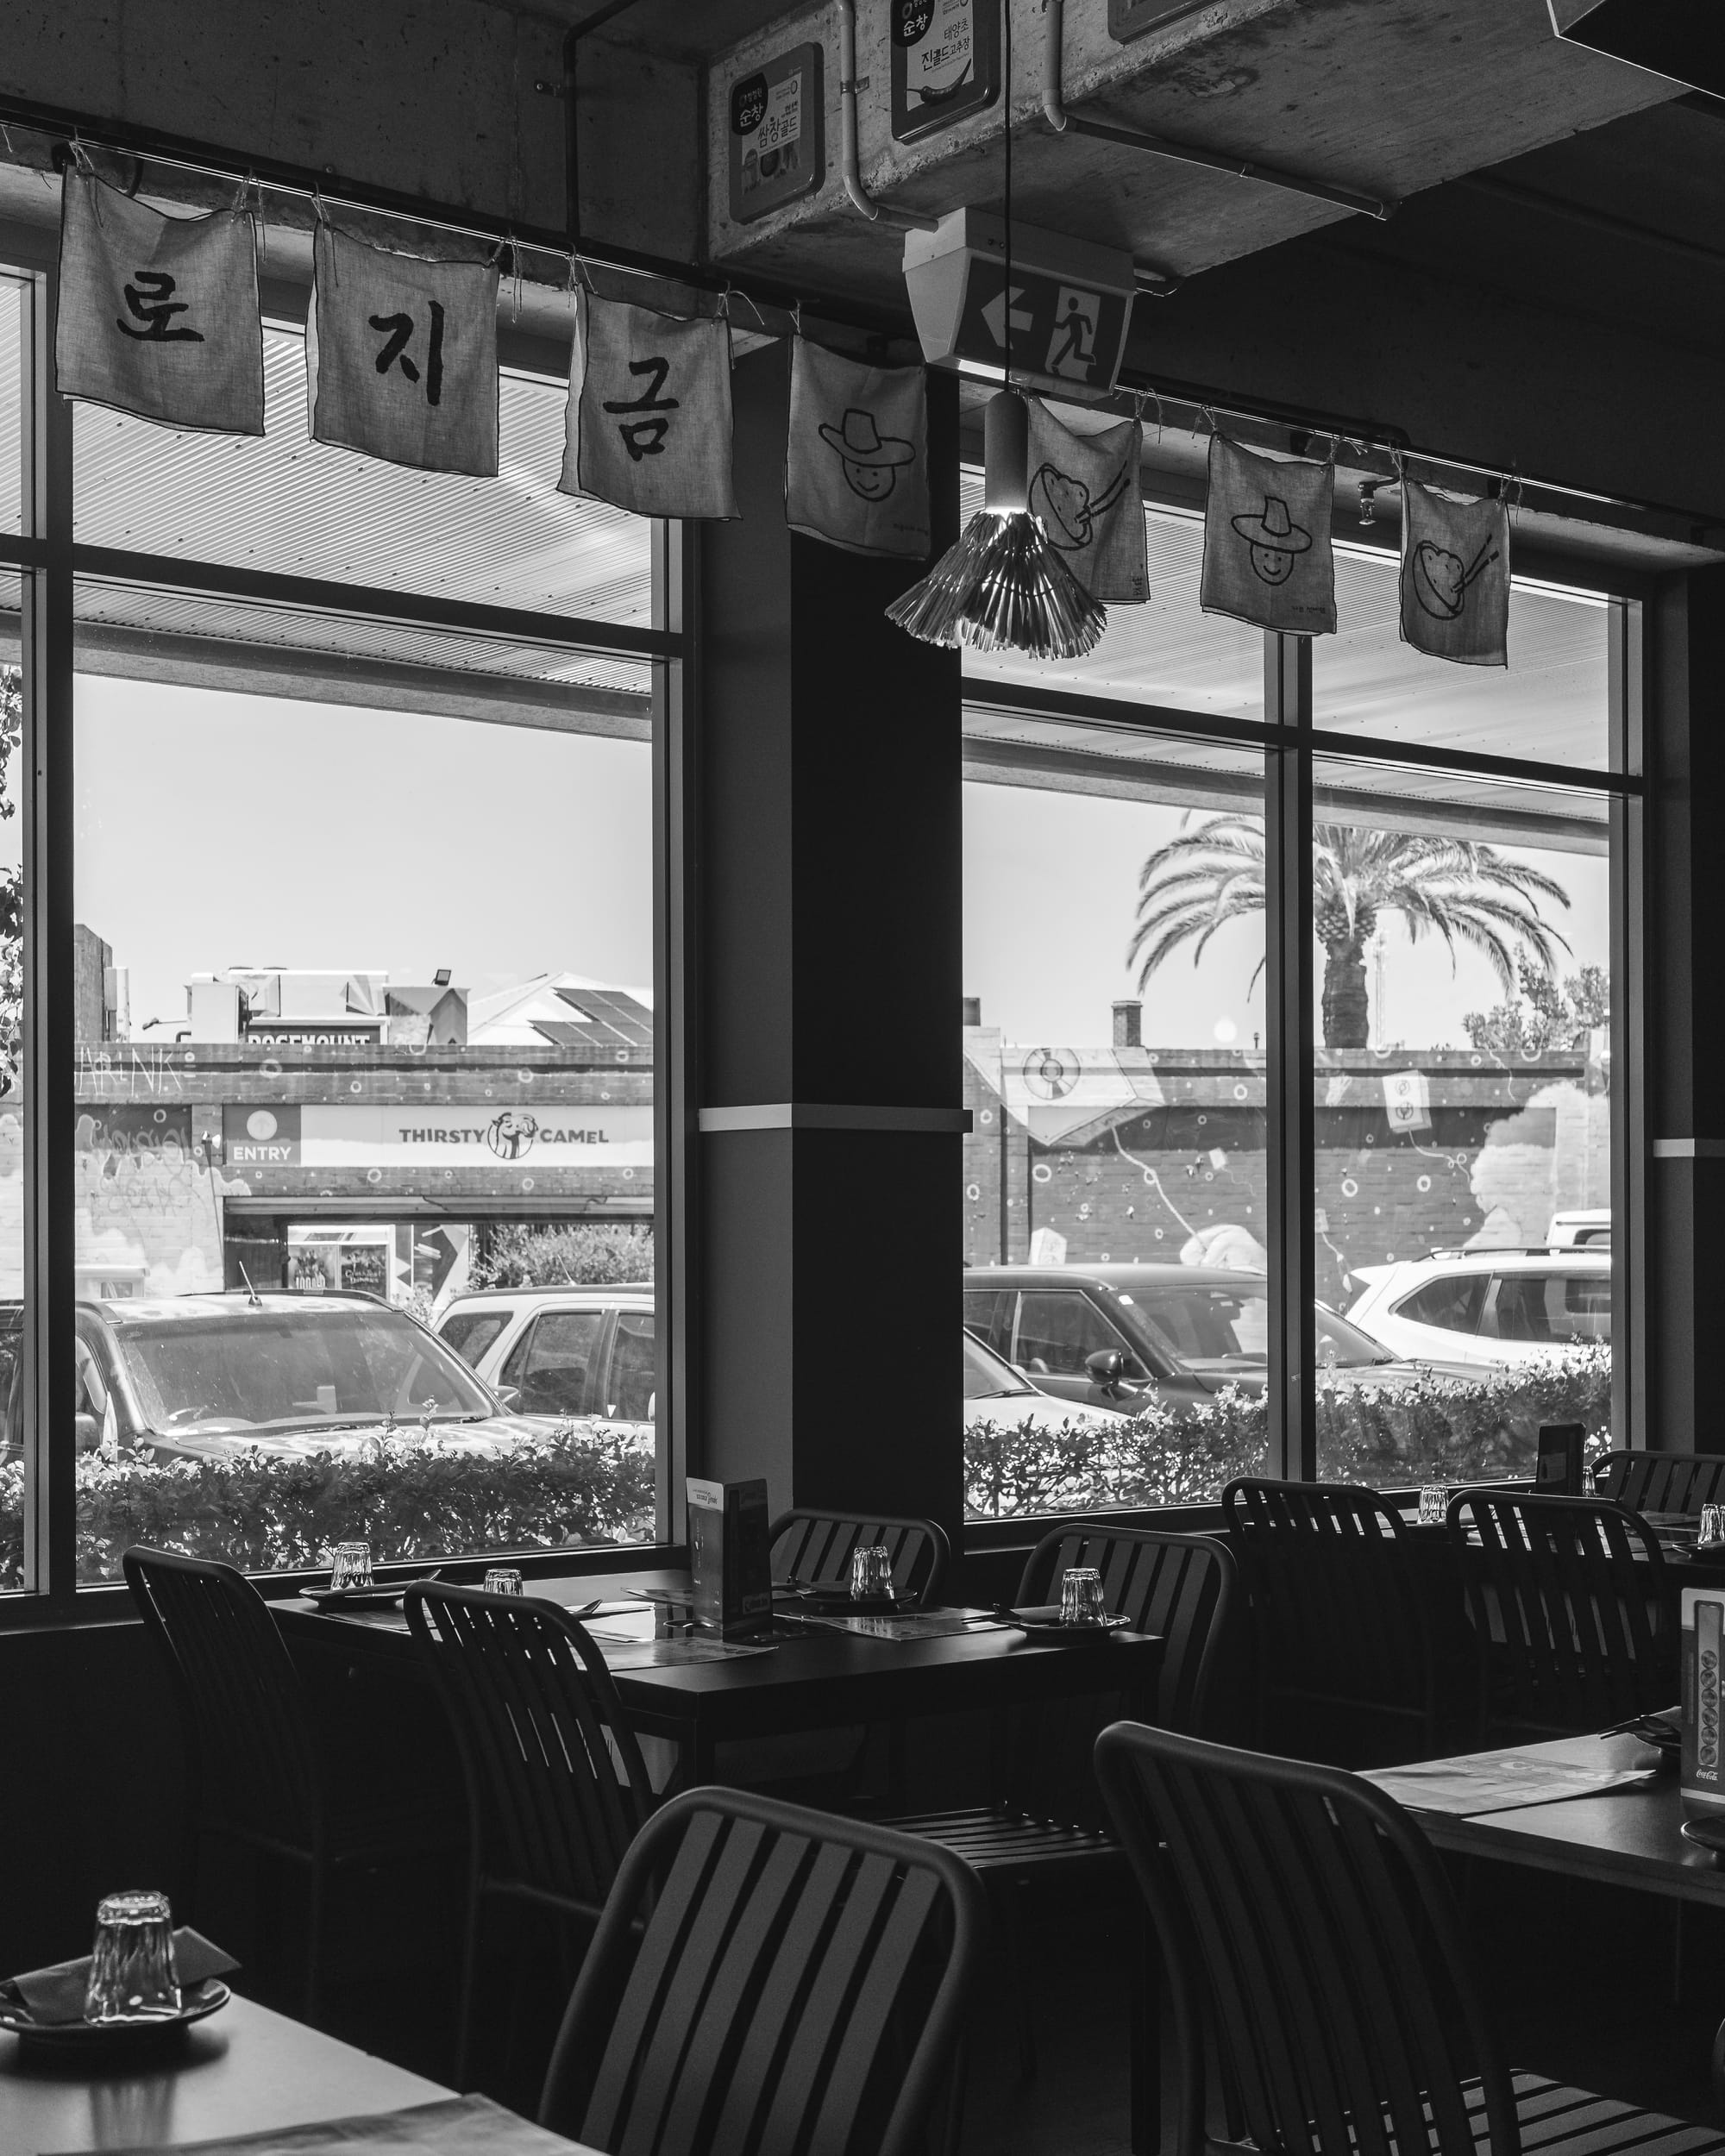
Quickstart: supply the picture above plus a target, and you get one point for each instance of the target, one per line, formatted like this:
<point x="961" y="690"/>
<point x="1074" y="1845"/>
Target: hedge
<point x="581" y="1485"/>
<point x="1438" y="1429"/>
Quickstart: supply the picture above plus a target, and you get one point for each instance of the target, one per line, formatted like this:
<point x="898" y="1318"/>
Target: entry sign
<point x="776" y="126"/>
<point x="946" y="63"/>
<point x="1069" y="332"/>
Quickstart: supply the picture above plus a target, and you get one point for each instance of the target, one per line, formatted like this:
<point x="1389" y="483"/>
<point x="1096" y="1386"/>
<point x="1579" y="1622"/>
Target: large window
<point x="1157" y="1199"/>
<point x="345" y="1088"/>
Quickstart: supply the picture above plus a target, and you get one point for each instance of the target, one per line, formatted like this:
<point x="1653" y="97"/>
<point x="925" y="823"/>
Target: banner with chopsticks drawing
<point x="647" y="424"/>
<point x="401" y="356"/>
<point x="856" y="455"/>
<point x="1267" y="554"/>
<point x="1455" y="576"/>
<point x="1087" y="490"/>
<point x="158" y="315"/>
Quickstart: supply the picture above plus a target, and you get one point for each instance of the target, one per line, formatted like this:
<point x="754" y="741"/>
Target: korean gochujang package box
<point x="728" y="1559"/>
<point x="1703" y="1694"/>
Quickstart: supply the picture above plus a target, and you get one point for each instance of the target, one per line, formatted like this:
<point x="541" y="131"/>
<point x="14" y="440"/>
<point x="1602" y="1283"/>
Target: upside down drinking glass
<point x="1080" y="1596"/>
<point x="871" y="1573"/>
<point x="132" y="1973"/>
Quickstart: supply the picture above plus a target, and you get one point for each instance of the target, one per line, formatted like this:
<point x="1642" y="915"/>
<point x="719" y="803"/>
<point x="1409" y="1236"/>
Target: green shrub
<point x="266" y="1514"/>
<point x="591" y="1254"/>
<point x="1438" y="1429"/>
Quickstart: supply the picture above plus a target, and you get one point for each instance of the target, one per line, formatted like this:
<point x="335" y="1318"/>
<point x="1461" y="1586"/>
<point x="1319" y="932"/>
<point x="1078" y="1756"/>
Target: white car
<point x="995" y="1392"/>
<point x="1496" y="1309"/>
<point x="560" y="1350"/>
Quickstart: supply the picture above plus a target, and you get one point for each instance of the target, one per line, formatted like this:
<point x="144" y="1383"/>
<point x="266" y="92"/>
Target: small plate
<point x="1706" y="1832"/>
<point x="379" y="1595"/>
<point x="1043" y="1623"/>
<point x="201" y="2000"/>
<point x="839" y="1602"/>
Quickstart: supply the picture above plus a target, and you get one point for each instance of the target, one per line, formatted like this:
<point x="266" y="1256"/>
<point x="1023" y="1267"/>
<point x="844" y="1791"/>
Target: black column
<point x="826" y="1276"/>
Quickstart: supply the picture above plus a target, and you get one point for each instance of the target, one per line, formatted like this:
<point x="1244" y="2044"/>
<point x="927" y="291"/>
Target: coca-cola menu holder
<point x="1703" y="1694"/>
<point x="729" y="1564"/>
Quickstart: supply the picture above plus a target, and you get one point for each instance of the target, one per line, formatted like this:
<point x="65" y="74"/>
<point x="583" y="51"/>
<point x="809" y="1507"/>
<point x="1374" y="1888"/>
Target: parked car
<point x="210" y="1377"/>
<point x="1501" y="1309"/>
<point x="994" y="1392"/>
<point x="563" y="1351"/>
<point x="1121" y="1336"/>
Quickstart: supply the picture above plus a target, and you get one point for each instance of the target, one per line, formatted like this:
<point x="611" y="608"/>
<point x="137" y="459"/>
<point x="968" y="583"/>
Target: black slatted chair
<point x="1568" y="1598"/>
<point x="557" y="1790"/>
<point x="1661" y="1481"/>
<point x="1311" y="1943"/>
<point x="797" y="1990"/>
<point x="815" y="1548"/>
<point x="1340" y="1623"/>
<point x="1047" y="1819"/>
<point x="257" y="1769"/>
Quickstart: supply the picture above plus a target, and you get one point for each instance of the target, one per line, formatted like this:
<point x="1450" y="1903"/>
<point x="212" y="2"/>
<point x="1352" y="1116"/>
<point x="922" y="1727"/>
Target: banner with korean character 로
<point x="648" y="424"/>
<point x="1267" y="554"/>
<point x="158" y="315"/>
<point x="1087" y="490"/>
<point x="401" y="356"/>
<point x="856" y="457"/>
<point x="1455" y="576"/>
<point x="1407" y="1100"/>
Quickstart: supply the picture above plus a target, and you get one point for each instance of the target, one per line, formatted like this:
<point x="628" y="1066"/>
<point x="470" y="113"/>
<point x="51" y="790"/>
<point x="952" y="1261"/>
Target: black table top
<point x="822" y="1678"/>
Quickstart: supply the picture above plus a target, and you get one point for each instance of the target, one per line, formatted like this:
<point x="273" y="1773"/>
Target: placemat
<point x="1499" y="1782"/>
<point x="461" y="2125"/>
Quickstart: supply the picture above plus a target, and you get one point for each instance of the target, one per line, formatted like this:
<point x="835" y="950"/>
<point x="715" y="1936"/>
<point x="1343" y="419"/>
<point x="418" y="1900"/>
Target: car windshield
<point x="1215" y="1330"/>
<point x="270" y="1369"/>
<point x="988" y="1376"/>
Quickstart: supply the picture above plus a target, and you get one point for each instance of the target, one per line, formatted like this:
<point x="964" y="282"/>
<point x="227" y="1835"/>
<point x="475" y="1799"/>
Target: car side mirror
<point x="510" y="1397"/>
<point x="1106" y="1366"/>
<point x="88" y="1429"/>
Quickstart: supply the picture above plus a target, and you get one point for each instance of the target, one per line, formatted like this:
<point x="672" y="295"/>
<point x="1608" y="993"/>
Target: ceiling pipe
<point x="1064" y="123"/>
<point x="861" y="200"/>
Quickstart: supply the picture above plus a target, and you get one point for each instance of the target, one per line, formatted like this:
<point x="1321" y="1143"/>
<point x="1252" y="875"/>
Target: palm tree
<point x="1467" y="894"/>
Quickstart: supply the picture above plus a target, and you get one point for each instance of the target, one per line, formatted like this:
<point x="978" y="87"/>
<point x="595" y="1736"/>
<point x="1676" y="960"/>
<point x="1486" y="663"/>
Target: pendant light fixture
<point x="1003" y="587"/>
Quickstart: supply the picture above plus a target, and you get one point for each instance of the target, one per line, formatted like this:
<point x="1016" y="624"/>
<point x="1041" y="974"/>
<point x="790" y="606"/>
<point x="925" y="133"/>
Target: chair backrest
<point x="1563" y="1593"/>
<point x="254" y="1760"/>
<point x="1339" y="1611"/>
<point x="555" y="1784"/>
<point x="1309" y="1935"/>
<point x="1661" y="1481"/>
<point x="798" y="1989"/>
<point x="815" y="1547"/>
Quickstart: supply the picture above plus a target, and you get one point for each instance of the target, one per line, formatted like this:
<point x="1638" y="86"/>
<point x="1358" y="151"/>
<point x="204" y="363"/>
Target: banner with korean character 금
<point x="158" y="315"/>
<point x="648" y="425"/>
<point x="401" y="356"/>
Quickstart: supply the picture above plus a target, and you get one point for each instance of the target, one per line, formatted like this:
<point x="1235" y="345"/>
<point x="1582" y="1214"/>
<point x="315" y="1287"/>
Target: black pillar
<point x="826" y="1283"/>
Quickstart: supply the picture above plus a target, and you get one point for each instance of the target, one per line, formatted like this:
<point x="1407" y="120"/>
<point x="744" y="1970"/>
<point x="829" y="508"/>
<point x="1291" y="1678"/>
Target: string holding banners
<point x="1267" y="559"/>
<point x="1455" y="576"/>
<point x="648" y="424"/>
<point x="1087" y="490"/>
<point x="401" y="356"/>
<point x="158" y="315"/>
<point x="856" y="458"/>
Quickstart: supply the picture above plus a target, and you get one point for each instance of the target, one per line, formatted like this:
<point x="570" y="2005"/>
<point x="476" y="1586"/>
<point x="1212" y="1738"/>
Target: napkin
<point x="55" y="1995"/>
<point x="458" y="2126"/>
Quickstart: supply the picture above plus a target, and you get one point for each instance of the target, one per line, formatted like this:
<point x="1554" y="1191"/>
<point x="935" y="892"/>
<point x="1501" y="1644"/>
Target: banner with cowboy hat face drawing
<point x="158" y="315"/>
<point x="1455" y="577"/>
<point x="647" y="424"/>
<point x="1267" y="553"/>
<point x="1086" y="489"/>
<point x="401" y="356"/>
<point x="856" y="462"/>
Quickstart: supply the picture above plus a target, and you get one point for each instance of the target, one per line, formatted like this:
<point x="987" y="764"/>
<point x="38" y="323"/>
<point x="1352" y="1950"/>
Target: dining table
<point x="812" y="1672"/>
<point x="246" y="2070"/>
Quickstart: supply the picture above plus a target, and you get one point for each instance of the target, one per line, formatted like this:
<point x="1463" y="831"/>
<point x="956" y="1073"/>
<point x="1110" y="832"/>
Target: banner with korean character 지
<point x="158" y="315"/>
<point x="401" y="356"/>
<point x="648" y="425"/>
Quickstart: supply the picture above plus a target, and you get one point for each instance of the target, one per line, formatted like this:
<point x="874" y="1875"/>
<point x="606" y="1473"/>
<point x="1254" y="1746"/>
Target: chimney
<point x="973" y="1011"/>
<point x="1129" y="1025"/>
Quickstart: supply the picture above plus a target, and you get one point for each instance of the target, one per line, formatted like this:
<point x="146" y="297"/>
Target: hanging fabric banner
<point x="158" y="315"/>
<point x="1455" y="577"/>
<point x="1267" y="554"/>
<point x="648" y="425"/>
<point x="856" y="462"/>
<point x="401" y="356"/>
<point x="1086" y="489"/>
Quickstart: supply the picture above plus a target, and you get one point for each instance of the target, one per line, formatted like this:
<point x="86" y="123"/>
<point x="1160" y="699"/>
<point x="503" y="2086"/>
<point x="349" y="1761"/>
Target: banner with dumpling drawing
<point x="401" y="356"/>
<point x="1455" y="576"/>
<point x="1267" y="554"/>
<point x="157" y="315"/>
<point x="856" y="457"/>
<point x="648" y="424"/>
<point x="1087" y="492"/>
